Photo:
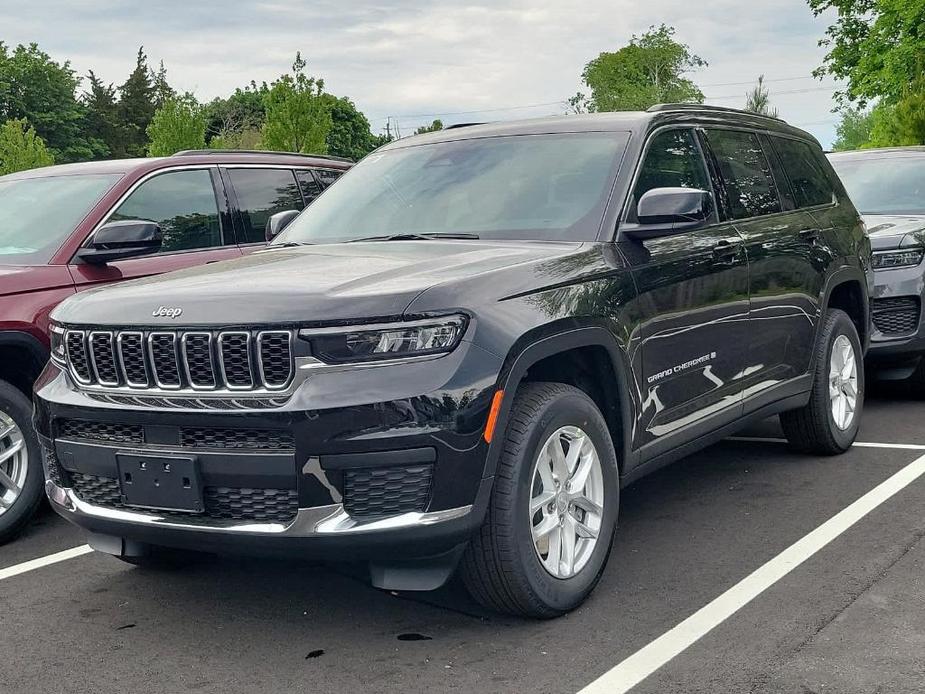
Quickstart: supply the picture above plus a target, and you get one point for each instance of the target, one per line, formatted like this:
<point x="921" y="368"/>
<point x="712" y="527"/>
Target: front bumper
<point x="896" y="316"/>
<point x="379" y="427"/>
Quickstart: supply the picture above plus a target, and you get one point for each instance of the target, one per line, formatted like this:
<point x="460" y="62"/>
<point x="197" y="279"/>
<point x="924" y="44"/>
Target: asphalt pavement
<point x="851" y="618"/>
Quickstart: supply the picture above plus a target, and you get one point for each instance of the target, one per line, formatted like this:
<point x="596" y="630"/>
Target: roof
<point x="123" y="166"/>
<point x="626" y="121"/>
<point x="880" y="153"/>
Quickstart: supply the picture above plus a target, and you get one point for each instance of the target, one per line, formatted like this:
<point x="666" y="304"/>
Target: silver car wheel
<point x="843" y="382"/>
<point x="566" y="501"/>
<point x="14" y="459"/>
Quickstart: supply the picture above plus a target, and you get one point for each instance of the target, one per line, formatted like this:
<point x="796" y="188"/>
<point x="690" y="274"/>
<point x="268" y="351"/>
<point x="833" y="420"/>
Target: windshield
<point x="37" y="214"/>
<point x="884" y="184"/>
<point x="526" y="187"/>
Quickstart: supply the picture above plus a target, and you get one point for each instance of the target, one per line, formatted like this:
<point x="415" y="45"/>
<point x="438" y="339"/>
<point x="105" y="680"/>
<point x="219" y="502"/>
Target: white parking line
<point x="34" y="564"/>
<point x="650" y="658"/>
<point x="856" y="444"/>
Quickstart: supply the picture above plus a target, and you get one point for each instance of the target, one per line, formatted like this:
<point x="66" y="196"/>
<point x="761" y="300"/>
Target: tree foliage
<point x="180" y="123"/>
<point x="649" y="70"/>
<point x="21" y="148"/>
<point x="350" y="135"/>
<point x="758" y="100"/>
<point x="136" y="108"/>
<point x="876" y="45"/>
<point x="236" y="117"/>
<point x="298" y="116"/>
<point x="853" y="130"/>
<point x="432" y="128"/>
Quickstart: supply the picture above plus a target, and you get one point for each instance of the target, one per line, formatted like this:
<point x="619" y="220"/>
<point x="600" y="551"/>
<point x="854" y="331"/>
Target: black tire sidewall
<point x="841" y="325"/>
<point x="568" y="409"/>
<point x="16" y="405"/>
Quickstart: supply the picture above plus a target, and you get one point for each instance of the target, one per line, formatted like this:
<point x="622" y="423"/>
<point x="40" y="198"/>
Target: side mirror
<point x="277" y="222"/>
<point x="664" y="211"/>
<point x="125" y="239"/>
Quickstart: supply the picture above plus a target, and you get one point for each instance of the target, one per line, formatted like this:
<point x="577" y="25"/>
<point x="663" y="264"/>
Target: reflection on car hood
<point x="336" y="282"/>
<point x="891" y="231"/>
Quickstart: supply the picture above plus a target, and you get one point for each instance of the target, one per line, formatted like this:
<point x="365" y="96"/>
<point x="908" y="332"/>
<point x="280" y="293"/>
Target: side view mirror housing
<point x="124" y="239"/>
<point x="665" y="211"/>
<point x="279" y="221"/>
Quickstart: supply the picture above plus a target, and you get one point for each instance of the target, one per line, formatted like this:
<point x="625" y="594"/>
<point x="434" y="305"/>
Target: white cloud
<point x="412" y="57"/>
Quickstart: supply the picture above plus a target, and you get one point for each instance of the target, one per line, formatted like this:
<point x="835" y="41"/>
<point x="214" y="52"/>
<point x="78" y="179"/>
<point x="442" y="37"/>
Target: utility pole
<point x="388" y="127"/>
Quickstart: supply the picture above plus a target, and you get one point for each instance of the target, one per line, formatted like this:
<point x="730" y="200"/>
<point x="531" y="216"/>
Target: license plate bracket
<point x="160" y="482"/>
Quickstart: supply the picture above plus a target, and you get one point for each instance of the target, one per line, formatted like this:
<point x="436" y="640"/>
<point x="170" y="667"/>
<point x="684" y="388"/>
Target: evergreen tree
<point x="137" y="107"/>
<point x="101" y="120"/>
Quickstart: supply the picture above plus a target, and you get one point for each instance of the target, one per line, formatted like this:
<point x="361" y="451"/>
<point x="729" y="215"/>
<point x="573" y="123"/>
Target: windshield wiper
<point x="289" y="244"/>
<point x="426" y="236"/>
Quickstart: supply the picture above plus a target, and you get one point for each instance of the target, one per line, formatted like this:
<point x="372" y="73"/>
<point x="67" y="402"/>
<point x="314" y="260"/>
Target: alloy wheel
<point x="13" y="462"/>
<point x="843" y="382"/>
<point x="566" y="501"/>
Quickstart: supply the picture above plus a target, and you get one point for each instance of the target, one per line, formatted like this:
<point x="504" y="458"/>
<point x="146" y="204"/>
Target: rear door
<point x="189" y="205"/>
<point x="257" y="192"/>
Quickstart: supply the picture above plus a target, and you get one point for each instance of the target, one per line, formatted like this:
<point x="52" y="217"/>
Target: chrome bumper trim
<point x="319" y="521"/>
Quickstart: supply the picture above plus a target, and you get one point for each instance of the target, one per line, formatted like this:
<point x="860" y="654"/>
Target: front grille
<point x="896" y="315"/>
<point x="100" y="431"/>
<point x="52" y="468"/>
<point x="236" y="360"/>
<point x="254" y="439"/>
<point x="387" y="491"/>
<point x="221" y="503"/>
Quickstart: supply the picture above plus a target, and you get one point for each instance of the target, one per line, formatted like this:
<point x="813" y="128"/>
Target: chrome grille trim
<point x="223" y="367"/>
<point x="84" y="356"/>
<point x="120" y="348"/>
<point x="164" y="368"/>
<point x="96" y="350"/>
<point x="185" y="355"/>
<point x="281" y="385"/>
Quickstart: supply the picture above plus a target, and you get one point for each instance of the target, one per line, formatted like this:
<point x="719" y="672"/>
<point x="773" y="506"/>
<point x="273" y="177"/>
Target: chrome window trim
<point x="263" y="379"/>
<point x="112" y="348"/>
<point x="185" y="361"/>
<point x="70" y="360"/>
<point x="144" y="359"/>
<point x="221" y="360"/>
<point x="157" y="380"/>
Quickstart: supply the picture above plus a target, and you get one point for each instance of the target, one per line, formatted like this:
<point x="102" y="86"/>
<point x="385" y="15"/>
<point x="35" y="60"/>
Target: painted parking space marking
<point x="650" y="658"/>
<point x="48" y="560"/>
<point x="856" y="444"/>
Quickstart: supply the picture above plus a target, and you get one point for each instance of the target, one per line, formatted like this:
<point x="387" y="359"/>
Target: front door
<point x="692" y="306"/>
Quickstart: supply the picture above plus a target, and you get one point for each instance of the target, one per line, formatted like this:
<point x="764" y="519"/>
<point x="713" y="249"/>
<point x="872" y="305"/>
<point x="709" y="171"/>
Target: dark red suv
<point x="68" y="228"/>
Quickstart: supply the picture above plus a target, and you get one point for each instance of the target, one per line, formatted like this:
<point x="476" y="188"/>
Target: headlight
<point x="57" y="344"/>
<point x="386" y="341"/>
<point x="884" y="260"/>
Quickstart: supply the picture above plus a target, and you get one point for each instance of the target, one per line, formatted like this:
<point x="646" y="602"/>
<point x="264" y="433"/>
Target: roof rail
<point x="657" y="108"/>
<point x="461" y="125"/>
<point x="197" y="152"/>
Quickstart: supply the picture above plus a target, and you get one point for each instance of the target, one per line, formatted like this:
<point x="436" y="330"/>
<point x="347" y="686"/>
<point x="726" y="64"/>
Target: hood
<point x="19" y="279"/>
<point x="325" y="283"/>
<point x="892" y="231"/>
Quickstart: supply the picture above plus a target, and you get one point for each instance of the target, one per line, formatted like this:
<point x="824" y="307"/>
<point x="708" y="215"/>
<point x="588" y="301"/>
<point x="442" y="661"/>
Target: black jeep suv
<point x="461" y="352"/>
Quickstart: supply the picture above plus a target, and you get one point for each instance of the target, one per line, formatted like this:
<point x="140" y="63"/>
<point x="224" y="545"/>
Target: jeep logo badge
<point x="167" y="312"/>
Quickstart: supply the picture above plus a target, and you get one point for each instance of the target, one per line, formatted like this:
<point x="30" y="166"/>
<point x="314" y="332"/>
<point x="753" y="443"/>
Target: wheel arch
<point x="590" y="348"/>
<point x="846" y="290"/>
<point x="22" y="358"/>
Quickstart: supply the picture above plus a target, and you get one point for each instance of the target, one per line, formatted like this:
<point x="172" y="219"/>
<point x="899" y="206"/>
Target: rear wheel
<point x="829" y="422"/>
<point x="553" y="509"/>
<point x="21" y="476"/>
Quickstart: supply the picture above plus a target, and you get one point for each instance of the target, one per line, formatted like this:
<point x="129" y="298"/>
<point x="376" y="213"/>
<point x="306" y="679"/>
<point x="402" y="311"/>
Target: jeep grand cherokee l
<point x="888" y="187"/>
<point x="67" y="228"/>
<point x="460" y="353"/>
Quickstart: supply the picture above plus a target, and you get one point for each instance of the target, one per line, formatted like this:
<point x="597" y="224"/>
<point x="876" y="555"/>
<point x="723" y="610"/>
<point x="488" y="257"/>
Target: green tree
<point x="42" y="91"/>
<point x="237" y="117"/>
<point x="136" y="107"/>
<point x="876" y="45"/>
<point x="902" y="123"/>
<point x="432" y="128"/>
<point x="179" y="124"/>
<point x="21" y="148"/>
<point x="298" y="116"/>
<point x="758" y="100"/>
<point x="350" y="135"/>
<point x="163" y="92"/>
<point x="853" y="130"/>
<point x="101" y="119"/>
<point x="650" y="70"/>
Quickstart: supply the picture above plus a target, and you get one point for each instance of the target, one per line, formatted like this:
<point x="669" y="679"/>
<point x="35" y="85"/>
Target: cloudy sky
<point x="416" y="60"/>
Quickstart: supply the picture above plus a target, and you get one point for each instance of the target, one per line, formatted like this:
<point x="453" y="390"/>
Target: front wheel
<point x="553" y="509"/>
<point x="21" y="477"/>
<point x="829" y="422"/>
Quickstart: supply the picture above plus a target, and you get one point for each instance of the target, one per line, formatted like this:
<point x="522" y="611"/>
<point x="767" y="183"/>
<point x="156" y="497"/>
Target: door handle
<point x="724" y="253"/>
<point x="811" y="235"/>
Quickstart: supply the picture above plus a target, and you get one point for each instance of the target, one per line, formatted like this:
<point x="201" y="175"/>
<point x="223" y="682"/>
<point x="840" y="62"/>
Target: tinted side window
<point x="750" y="189"/>
<point x="182" y="203"/>
<point x="810" y="184"/>
<point x="672" y="161"/>
<point x="311" y="189"/>
<point x="327" y="176"/>
<point x="261" y="193"/>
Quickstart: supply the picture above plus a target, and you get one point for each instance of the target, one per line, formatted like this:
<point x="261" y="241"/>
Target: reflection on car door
<point x="185" y="205"/>
<point x="693" y="305"/>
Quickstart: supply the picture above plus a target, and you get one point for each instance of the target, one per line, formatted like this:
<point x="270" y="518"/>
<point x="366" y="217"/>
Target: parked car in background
<point x="79" y="226"/>
<point x="465" y="349"/>
<point x="888" y="187"/>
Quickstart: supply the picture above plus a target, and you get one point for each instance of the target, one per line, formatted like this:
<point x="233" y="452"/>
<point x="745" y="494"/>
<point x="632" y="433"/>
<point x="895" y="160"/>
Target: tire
<point x="502" y="567"/>
<point x="16" y="424"/>
<point x="813" y="427"/>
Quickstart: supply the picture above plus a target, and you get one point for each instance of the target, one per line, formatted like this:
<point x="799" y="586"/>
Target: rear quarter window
<point x="811" y="186"/>
<point x="746" y="173"/>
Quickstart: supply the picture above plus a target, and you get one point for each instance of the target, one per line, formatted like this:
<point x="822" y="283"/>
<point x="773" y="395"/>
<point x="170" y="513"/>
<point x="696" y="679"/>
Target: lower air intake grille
<point x="221" y="503"/>
<point x="52" y="469"/>
<point x="254" y="439"/>
<point x="897" y="315"/>
<point x="387" y="491"/>
<point x="100" y="431"/>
